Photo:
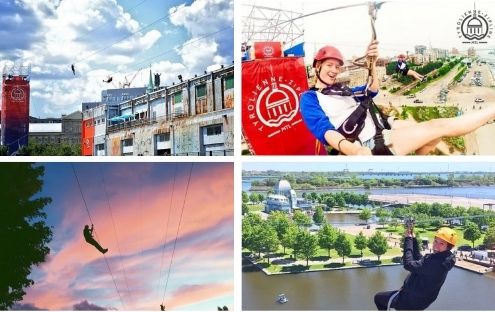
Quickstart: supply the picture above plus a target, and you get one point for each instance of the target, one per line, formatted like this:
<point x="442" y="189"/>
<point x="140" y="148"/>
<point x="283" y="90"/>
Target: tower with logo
<point x="15" y="107"/>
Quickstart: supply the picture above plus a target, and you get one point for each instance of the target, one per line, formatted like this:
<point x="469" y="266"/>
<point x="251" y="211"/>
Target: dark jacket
<point x="88" y="234"/>
<point x="427" y="276"/>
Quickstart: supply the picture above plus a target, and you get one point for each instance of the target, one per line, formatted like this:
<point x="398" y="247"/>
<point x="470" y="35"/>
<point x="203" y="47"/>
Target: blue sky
<point x="377" y="166"/>
<point x="96" y="36"/>
<point x="138" y="224"/>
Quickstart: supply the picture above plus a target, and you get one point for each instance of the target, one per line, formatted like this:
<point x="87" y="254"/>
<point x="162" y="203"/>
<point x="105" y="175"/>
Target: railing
<point x="226" y="152"/>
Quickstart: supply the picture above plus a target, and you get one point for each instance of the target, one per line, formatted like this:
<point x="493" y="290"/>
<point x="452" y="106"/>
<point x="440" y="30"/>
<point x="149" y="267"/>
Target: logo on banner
<point x="268" y="51"/>
<point x="17" y="95"/>
<point x="274" y="105"/>
<point x="475" y="26"/>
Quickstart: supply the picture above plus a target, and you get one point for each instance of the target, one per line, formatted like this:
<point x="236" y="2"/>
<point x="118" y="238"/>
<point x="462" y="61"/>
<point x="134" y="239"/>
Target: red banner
<point x="88" y="136"/>
<point x="267" y="49"/>
<point x="271" y="120"/>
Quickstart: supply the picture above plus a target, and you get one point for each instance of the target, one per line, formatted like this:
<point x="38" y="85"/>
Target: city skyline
<point x="365" y="166"/>
<point x="117" y="38"/>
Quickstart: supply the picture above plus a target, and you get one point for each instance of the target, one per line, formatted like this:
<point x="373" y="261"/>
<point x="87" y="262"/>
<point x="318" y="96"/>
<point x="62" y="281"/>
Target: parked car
<point x="479" y="100"/>
<point x="417" y="101"/>
<point x="411" y="96"/>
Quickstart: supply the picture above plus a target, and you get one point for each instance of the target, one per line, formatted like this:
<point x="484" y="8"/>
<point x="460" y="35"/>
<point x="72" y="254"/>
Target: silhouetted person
<point x="225" y="308"/>
<point x="73" y="69"/>
<point x="109" y="79"/>
<point x="219" y="309"/>
<point x="88" y="236"/>
<point x="162" y="307"/>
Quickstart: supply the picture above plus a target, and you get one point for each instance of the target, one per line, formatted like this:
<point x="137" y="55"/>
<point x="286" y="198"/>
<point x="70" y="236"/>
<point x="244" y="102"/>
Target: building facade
<point x="194" y="117"/>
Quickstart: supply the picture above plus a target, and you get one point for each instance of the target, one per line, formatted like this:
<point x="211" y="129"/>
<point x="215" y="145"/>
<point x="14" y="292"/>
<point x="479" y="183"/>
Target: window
<point x="177" y="97"/>
<point x="201" y="102"/>
<point x="229" y="82"/>
<point x="214" y="130"/>
<point x="201" y="90"/>
<point x="163" y="137"/>
<point x="127" y="147"/>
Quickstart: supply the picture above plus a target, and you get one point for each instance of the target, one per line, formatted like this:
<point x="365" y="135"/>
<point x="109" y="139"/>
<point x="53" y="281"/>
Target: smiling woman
<point x="162" y="249"/>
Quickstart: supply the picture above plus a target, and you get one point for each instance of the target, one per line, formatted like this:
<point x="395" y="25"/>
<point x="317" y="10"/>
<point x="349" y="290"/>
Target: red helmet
<point x="328" y="52"/>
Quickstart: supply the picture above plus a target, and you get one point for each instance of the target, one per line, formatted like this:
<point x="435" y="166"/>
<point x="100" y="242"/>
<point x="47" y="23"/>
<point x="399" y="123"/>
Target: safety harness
<point x="354" y="124"/>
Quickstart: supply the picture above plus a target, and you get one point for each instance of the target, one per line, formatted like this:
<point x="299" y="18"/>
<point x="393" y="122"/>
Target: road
<point x="461" y="95"/>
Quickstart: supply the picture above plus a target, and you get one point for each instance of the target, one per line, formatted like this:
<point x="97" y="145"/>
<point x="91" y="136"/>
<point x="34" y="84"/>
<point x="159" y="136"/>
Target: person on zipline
<point x="327" y="109"/>
<point x="428" y="273"/>
<point x="404" y="70"/>
<point x="162" y="307"/>
<point x="88" y="236"/>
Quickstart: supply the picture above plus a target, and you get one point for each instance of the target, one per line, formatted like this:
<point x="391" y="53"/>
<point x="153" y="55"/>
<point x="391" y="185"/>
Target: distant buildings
<point x="284" y="199"/>
<point x="66" y="130"/>
<point x="471" y="52"/>
<point x="420" y="49"/>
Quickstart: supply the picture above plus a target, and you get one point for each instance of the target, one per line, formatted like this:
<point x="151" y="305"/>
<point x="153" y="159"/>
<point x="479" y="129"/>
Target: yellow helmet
<point x="447" y="234"/>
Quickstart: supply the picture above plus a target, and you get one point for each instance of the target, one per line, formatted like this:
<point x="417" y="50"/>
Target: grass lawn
<point x="255" y="207"/>
<point x="430" y="234"/>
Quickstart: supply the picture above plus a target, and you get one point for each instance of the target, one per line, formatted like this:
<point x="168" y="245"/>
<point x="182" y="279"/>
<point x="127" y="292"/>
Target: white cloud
<point x="203" y="16"/>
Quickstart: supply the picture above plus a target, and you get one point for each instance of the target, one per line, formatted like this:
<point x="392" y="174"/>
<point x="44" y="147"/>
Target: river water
<point x="353" y="289"/>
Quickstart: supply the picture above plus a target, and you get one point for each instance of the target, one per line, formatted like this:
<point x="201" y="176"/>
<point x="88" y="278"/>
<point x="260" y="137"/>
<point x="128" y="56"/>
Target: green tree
<point x="471" y="232"/>
<point x="361" y="242"/>
<point x="289" y="239"/>
<point x="25" y="234"/>
<point x="245" y="209"/>
<point x="301" y="219"/>
<point x="326" y="237"/>
<point x="377" y="244"/>
<point x="330" y="202"/>
<point x="307" y="245"/>
<point x="394" y="223"/>
<point x="253" y="198"/>
<point x="339" y="200"/>
<point x="343" y="246"/>
<point x="365" y="215"/>
<point x="251" y="227"/>
<point x="319" y="216"/>
<point x="489" y="239"/>
<point x="279" y="221"/>
<point x="245" y="197"/>
<point x="261" y="198"/>
<point x="382" y="215"/>
<point x="270" y="241"/>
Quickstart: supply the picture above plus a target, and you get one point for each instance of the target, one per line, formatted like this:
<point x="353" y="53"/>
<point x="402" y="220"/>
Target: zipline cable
<point x="91" y="220"/>
<point x="114" y="228"/>
<point x="164" y="239"/>
<point x="177" y="233"/>
<point x="128" y="36"/>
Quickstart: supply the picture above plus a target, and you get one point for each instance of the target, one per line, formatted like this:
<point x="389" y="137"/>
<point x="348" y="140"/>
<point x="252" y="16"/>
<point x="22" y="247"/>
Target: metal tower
<point x="271" y="24"/>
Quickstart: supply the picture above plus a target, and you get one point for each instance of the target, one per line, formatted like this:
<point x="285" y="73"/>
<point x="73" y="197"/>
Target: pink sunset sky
<point x="136" y="209"/>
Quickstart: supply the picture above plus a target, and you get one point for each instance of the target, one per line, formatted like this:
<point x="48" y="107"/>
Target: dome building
<point x="283" y="199"/>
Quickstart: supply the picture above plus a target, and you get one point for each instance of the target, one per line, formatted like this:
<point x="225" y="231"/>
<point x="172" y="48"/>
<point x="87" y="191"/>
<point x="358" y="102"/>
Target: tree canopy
<point x="25" y="234"/>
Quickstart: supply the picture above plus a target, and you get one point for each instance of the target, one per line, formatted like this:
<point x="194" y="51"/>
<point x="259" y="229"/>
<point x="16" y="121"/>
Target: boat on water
<point x="282" y="298"/>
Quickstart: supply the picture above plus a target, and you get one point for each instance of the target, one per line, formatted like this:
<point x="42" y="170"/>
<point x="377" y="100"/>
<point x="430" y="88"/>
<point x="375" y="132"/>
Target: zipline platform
<point x="472" y="266"/>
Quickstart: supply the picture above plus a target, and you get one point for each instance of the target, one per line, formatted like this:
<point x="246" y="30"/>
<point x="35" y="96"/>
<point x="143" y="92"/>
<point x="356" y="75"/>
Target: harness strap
<point x="392" y="299"/>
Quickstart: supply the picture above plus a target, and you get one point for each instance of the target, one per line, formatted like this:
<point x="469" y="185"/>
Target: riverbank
<point x="337" y="266"/>
<point x="430" y="199"/>
<point x="263" y="188"/>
